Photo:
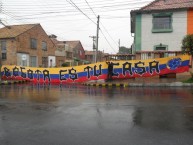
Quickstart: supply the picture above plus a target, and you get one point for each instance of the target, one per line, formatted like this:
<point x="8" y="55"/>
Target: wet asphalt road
<point x="80" y="115"/>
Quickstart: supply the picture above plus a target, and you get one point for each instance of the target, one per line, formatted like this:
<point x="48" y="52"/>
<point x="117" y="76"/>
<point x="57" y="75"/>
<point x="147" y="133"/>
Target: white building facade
<point x="160" y="27"/>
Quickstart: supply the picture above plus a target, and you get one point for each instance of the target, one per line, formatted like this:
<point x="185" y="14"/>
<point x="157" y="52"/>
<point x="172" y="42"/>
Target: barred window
<point x="3" y="49"/>
<point x="33" y="43"/>
<point x="162" y="23"/>
<point x="3" y="45"/>
<point x="44" y="46"/>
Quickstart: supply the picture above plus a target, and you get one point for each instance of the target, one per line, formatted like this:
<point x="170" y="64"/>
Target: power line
<point x="99" y="28"/>
<point x="98" y="3"/>
<point x="91" y="8"/>
<point x="74" y="5"/>
<point x="57" y="6"/>
<point x="107" y="41"/>
<point x="49" y="9"/>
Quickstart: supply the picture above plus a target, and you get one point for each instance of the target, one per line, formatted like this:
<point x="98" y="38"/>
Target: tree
<point x="65" y="64"/>
<point x="187" y="47"/>
<point x="124" y="50"/>
<point x="187" y="44"/>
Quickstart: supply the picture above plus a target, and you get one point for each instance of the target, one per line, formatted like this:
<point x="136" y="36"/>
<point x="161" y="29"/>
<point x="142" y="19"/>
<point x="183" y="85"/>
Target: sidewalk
<point x="9" y="82"/>
<point x="133" y="82"/>
<point x="143" y="82"/>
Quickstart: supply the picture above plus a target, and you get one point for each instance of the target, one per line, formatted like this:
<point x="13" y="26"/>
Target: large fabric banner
<point x="96" y="71"/>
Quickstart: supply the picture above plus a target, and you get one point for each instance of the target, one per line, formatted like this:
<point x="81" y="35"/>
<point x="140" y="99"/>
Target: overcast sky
<point x="76" y="19"/>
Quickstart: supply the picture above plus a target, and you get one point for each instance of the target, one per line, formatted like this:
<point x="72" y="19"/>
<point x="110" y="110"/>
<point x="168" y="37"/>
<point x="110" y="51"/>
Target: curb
<point x="175" y="84"/>
<point x="12" y="82"/>
<point x="106" y="85"/>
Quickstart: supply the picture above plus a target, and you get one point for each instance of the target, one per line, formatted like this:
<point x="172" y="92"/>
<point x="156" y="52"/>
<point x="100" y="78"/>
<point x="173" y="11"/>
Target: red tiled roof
<point x="168" y="4"/>
<point x="61" y="43"/>
<point x="73" y="44"/>
<point x="15" y="30"/>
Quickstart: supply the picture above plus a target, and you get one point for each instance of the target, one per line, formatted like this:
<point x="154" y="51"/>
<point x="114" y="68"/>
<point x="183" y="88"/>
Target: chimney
<point x="52" y="36"/>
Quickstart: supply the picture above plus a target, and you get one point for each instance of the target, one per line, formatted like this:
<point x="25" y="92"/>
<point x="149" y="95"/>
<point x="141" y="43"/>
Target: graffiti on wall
<point x="121" y="69"/>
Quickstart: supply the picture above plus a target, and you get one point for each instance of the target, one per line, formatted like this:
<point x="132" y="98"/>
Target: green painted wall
<point x="138" y="33"/>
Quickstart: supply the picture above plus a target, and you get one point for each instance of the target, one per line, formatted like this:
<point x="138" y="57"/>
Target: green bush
<point x="65" y="64"/>
<point x="187" y="44"/>
<point x="190" y="80"/>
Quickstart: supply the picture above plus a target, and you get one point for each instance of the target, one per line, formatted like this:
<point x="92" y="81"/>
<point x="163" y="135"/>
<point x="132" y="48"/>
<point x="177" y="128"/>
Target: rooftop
<point x="15" y="30"/>
<point x="167" y="5"/>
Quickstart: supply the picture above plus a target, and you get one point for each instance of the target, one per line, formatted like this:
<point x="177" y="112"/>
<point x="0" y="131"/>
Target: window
<point x="44" y="46"/>
<point x="80" y="52"/>
<point x="33" y="61"/>
<point x="4" y="49"/>
<point x="3" y="45"/>
<point x="162" y="23"/>
<point x="160" y="48"/>
<point x="4" y="56"/>
<point x="33" y="43"/>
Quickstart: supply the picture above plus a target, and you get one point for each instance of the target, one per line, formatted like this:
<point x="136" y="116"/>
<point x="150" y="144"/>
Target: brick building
<point x="78" y="51"/>
<point x="63" y="53"/>
<point x="26" y="45"/>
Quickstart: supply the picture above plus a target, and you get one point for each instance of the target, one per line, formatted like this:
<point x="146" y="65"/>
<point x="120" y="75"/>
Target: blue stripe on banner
<point x="185" y="63"/>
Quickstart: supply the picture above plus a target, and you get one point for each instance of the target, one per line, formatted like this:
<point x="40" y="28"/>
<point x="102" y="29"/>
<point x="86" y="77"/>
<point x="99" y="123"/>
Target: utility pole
<point x="119" y="43"/>
<point x="97" y="38"/>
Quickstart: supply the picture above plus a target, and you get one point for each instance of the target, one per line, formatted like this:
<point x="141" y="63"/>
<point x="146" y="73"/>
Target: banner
<point x="96" y="71"/>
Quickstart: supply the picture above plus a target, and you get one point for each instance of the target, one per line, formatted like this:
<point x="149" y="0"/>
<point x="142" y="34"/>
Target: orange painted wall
<point x="190" y="22"/>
